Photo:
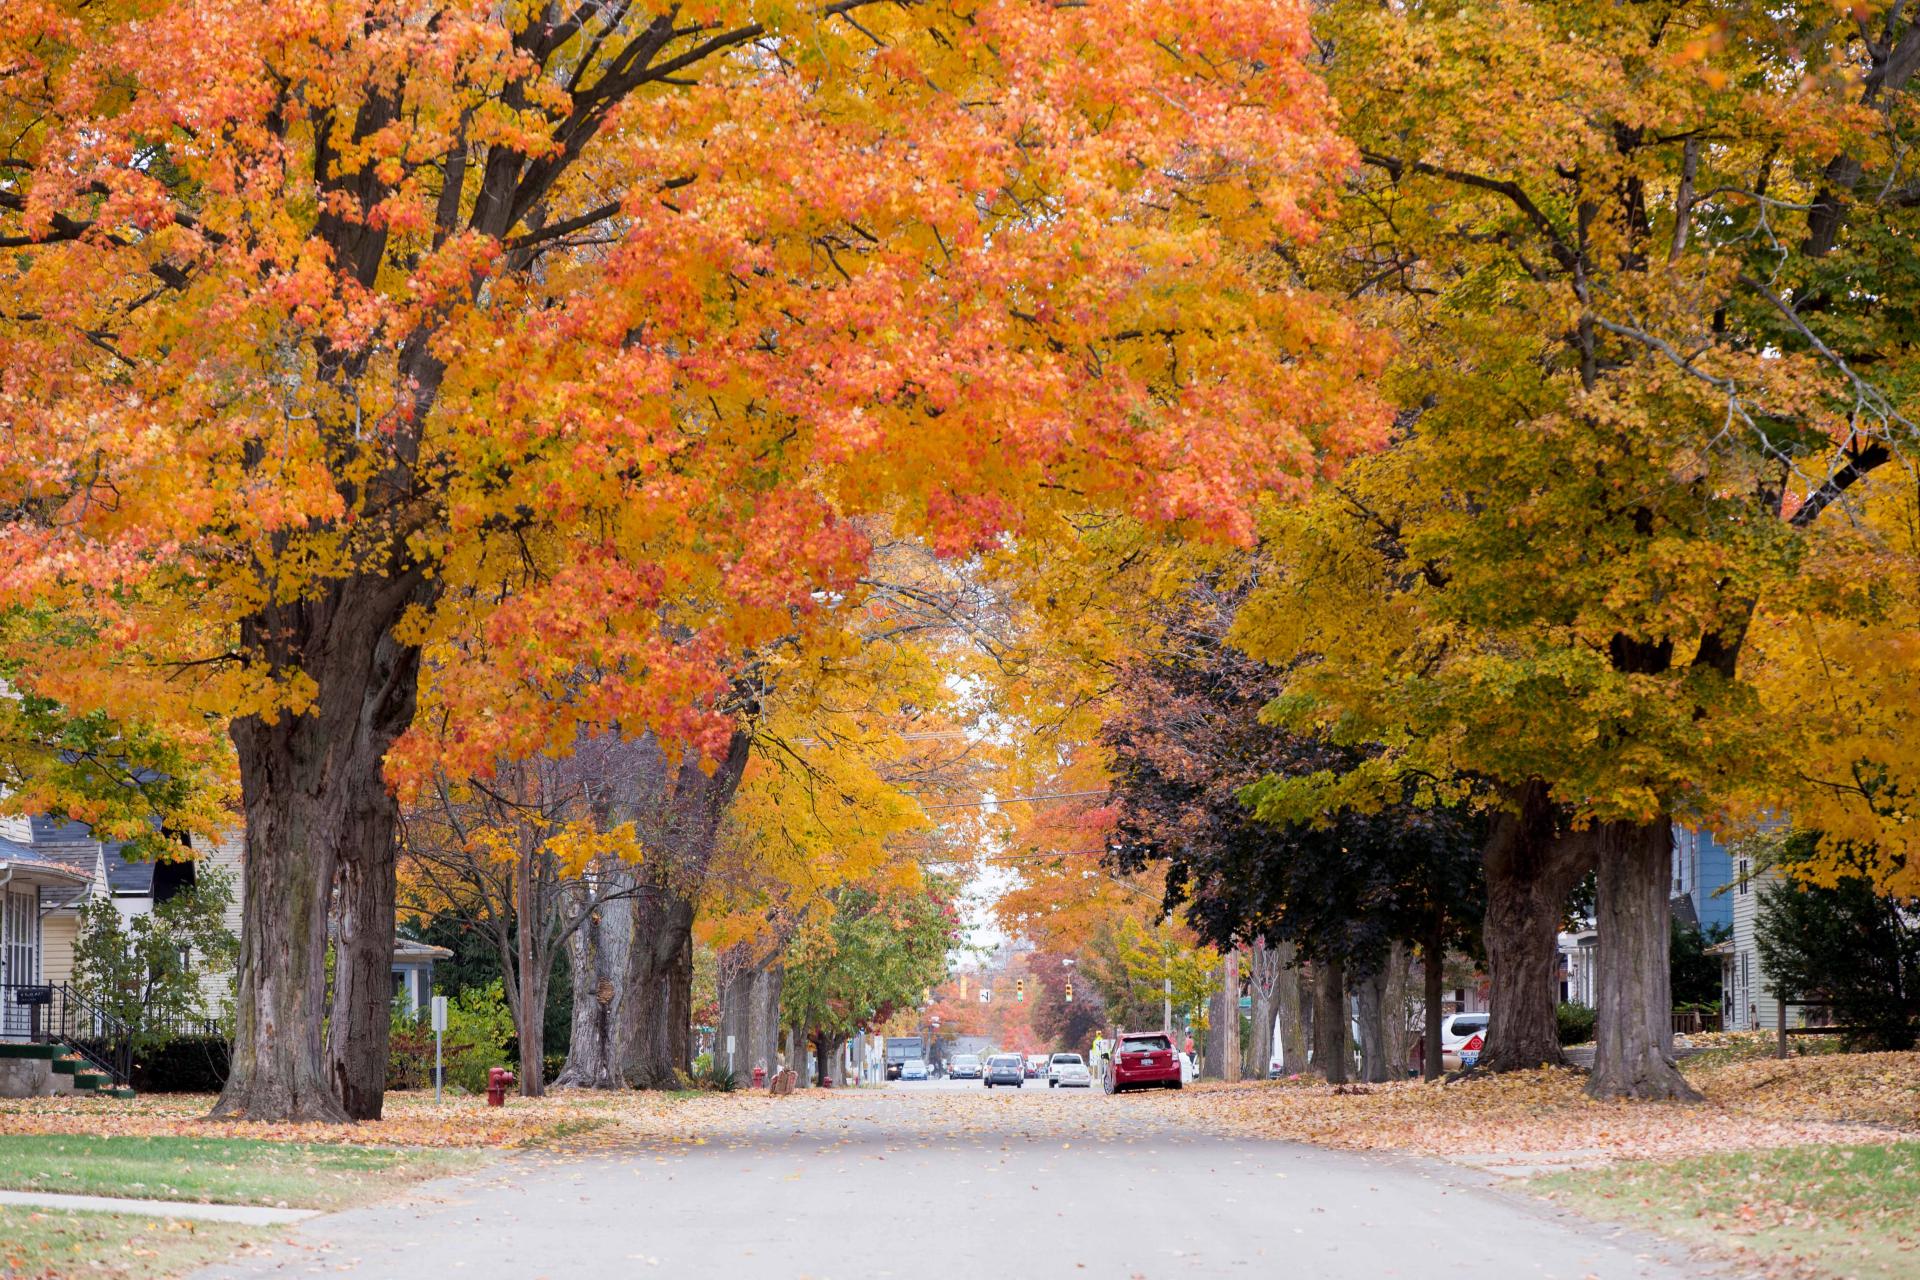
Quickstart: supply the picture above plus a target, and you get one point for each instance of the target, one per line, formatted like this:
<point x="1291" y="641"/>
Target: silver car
<point x="1068" y="1071"/>
<point x="1006" y="1068"/>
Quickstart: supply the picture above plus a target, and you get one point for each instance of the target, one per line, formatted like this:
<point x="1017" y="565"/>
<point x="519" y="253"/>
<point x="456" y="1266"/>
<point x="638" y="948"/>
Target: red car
<point x="1143" y="1060"/>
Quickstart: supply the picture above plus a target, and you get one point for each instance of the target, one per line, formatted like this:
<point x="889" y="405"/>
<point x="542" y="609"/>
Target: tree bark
<point x="599" y="950"/>
<point x="680" y="814"/>
<point x="1230" y="1002"/>
<point x="316" y="805"/>
<point x="1287" y="999"/>
<point x="1393" y="1011"/>
<point x="654" y="1040"/>
<point x="736" y="980"/>
<point x="1531" y="868"/>
<point x="1633" y="1040"/>
<point x="1330" y="1036"/>
<point x="1263" y="981"/>
<point x="1370" y="990"/>
<point x="763" y="1025"/>
<point x="1433" y="962"/>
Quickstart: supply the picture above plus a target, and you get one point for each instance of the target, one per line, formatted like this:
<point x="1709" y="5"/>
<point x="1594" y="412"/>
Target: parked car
<point x="1036" y="1066"/>
<point x="1456" y="1029"/>
<point x="1006" y="1068"/>
<point x="1067" y="1071"/>
<point x="913" y="1069"/>
<point x="1143" y="1060"/>
<point x="966" y="1066"/>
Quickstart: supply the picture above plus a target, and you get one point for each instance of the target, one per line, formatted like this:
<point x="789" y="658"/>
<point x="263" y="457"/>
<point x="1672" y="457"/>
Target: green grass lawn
<point x="221" y="1170"/>
<point x="1849" y="1212"/>
<point x="44" y="1244"/>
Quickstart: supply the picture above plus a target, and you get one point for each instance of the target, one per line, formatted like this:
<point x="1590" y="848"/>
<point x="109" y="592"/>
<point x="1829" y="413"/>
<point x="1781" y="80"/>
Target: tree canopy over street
<point x="710" y="498"/>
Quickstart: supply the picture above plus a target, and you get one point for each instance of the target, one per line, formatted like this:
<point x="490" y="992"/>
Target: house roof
<point x="406" y="950"/>
<point x="82" y="860"/>
<point x="126" y="875"/>
<point x="33" y="866"/>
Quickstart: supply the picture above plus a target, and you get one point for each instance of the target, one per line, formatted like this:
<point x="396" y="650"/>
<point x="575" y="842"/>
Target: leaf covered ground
<point x="1826" y="1211"/>
<point x="1544" y="1117"/>
<point x="45" y="1245"/>
<point x="563" y="1120"/>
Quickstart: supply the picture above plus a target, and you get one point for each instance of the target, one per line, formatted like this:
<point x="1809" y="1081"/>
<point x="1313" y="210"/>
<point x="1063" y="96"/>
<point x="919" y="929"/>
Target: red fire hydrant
<point x="759" y="1077"/>
<point x="499" y="1080"/>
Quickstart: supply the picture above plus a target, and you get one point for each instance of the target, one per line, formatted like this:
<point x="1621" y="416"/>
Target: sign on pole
<point x="729" y="1053"/>
<point x="439" y="1032"/>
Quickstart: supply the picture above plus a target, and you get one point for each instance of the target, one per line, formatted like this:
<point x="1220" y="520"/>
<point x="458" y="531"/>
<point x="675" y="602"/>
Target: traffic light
<point x="1069" y="990"/>
<point x="1019" y="988"/>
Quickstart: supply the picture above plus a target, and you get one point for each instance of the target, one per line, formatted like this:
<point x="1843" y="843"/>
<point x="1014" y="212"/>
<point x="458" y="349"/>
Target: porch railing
<point x="54" y="1013"/>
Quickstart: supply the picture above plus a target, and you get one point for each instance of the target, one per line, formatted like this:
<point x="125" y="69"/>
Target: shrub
<point x="1576" y="1022"/>
<point x="184" y="1064"/>
<point x="1849" y="944"/>
<point x="479" y="1031"/>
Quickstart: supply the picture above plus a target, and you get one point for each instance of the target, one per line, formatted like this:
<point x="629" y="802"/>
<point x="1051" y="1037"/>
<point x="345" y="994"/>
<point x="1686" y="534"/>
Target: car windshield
<point x="1067" y="1060"/>
<point x="1145" y="1044"/>
<point x="965" y="1060"/>
<point x="1006" y="1062"/>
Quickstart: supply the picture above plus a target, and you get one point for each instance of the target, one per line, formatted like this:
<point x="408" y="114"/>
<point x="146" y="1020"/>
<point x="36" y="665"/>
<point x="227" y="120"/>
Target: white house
<point x="49" y="868"/>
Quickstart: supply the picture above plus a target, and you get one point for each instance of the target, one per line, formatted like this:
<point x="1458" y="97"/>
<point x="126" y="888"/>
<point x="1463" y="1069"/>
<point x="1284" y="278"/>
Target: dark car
<point x="1006" y="1068"/>
<point x="1143" y="1060"/>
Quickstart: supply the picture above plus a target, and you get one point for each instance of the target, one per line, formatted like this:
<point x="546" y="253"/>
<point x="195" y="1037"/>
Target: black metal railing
<point x="54" y="1013"/>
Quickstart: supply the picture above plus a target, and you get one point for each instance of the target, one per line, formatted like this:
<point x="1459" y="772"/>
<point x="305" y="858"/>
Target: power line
<point x="981" y="804"/>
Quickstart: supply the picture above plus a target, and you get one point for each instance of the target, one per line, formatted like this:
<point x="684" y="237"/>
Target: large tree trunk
<point x="1287" y="999"/>
<point x="681" y="815"/>
<point x="1330" y="1036"/>
<point x="763" y="1020"/>
<point x="655" y="1039"/>
<point x="733" y="1038"/>
<point x="750" y="1014"/>
<point x="1230" y="1006"/>
<point x="1393" y="1012"/>
<point x="1633" y="1041"/>
<point x="1530" y="869"/>
<point x="317" y="809"/>
<point x="1433" y="963"/>
<point x="599" y="950"/>
<point x="1263" y="982"/>
<point x="1371" y="990"/>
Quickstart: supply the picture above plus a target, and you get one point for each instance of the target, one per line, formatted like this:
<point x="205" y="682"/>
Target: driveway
<point x="918" y="1181"/>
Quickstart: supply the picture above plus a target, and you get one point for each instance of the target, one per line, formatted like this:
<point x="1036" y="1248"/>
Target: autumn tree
<point x="1637" y="262"/>
<point x="529" y="856"/>
<point x="877" y="952"/>
<point x="539" y="354"/>
<point x="1199" y="783"/>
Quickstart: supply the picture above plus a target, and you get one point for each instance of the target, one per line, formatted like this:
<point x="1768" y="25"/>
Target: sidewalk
<point x="245" y="1214"/>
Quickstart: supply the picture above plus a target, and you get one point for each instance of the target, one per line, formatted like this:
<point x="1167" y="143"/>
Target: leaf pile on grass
<point x="1750" y="1105"/>
<point x="568" y="1120"/>
<point x="1828" y="1211"/>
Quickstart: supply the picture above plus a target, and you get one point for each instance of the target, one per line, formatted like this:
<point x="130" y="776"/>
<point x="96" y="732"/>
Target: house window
<point x="1741" y="876"/>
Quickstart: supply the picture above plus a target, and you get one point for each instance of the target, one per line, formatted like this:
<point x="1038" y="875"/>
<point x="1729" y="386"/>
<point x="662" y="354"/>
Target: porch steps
<point x="89" y="1082"/>
<point x="23" y="1050"/>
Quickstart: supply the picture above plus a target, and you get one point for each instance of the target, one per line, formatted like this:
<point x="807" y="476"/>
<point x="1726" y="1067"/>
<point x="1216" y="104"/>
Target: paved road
<point x="955" y="1180"/>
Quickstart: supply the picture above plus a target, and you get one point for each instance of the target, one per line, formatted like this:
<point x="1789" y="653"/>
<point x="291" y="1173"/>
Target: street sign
<point x="986" y="995"/>
<point x="33" y="995"/>
<point x="439" y="1030"/>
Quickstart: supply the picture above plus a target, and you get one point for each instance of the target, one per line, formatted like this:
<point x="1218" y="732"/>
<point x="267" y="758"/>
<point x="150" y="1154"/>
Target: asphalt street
<point x="948" y="1179"/>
